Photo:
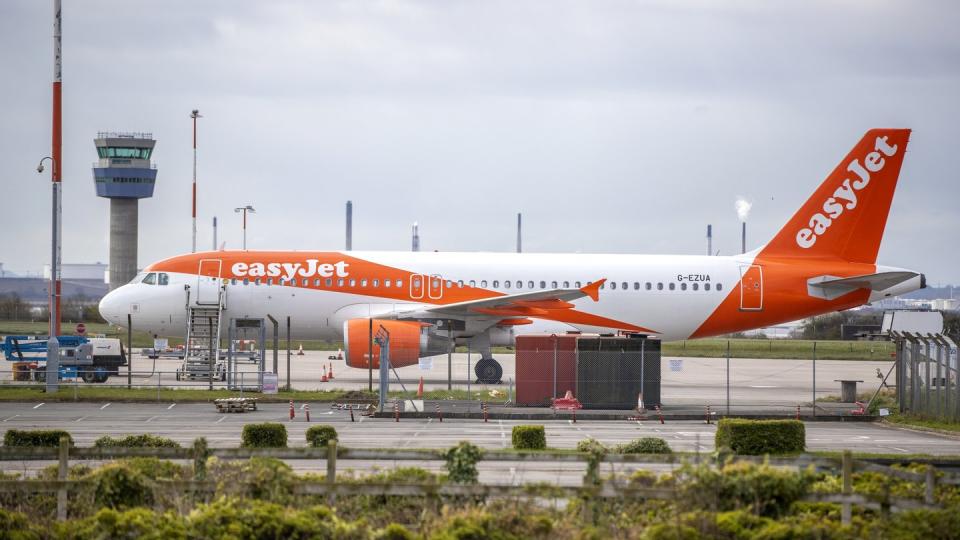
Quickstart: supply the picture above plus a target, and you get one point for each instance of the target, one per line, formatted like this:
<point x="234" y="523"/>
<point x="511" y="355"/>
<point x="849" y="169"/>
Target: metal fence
<point x="927" y="376"/>
<point x="592" y="486"/>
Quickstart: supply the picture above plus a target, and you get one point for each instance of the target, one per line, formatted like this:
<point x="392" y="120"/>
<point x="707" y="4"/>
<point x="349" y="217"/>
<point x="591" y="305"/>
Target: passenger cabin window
<point x="566" y="284"/>
<point x="577" y="284"/>
<point x="151" y="279"/>
<point x="399" y="283"/>
<point x="269" y="281"/>
<point x="328" y="282"/>
<point x="683" y="286"/>
<point x="623" y="285"/>
<point x="386" y="283"/>
<point x="672" y="286"/>
<point x="706" y="286"/>
<point x="340" y="282"/>
<point x="449" y="284"/>
<point x="459" y="283"/>
<point x="636" y="285"/>
<point x="246" y="281"/>
<point x="363" y="282"/>
<point x="483" y="283"/>
<point x="353" y="283"/>
<point x="659" y="286"/>
<point x="376" y="282"/>
<point x="719" y="286"/>
<point x="496" y="284"/>
<point x="553" y="284"/>
<point x="696" y="286"/>
<point x="649" y="286"/>
<point x="506" y="284"/>
<point x="530" y="285"/>
<point x="316" y="282"/>
<point x="473" y="283"/>
<point x="256" y="281"/>
<point x="613" y="285"/>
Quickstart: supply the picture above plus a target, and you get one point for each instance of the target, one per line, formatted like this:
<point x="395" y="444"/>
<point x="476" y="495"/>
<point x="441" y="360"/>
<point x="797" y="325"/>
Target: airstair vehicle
<point x="204" y="317"/>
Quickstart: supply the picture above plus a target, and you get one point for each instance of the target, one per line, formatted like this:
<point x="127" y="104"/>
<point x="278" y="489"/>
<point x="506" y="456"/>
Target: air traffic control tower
<point x="124" y="174"/>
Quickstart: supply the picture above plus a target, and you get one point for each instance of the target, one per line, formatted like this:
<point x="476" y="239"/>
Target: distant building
<point x="92" y="271"/>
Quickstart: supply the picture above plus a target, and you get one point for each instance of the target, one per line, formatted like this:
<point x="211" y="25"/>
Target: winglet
<point x="593" y="290"/>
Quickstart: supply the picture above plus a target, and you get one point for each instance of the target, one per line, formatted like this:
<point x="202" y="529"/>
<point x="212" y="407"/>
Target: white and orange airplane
<point x="823" y="260"/>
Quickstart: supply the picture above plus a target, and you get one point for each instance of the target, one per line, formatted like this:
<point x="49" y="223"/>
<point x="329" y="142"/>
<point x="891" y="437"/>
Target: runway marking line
<point x="38" y="405"/>
<point x="172" y="405"/>
<point x="105" y="406"/>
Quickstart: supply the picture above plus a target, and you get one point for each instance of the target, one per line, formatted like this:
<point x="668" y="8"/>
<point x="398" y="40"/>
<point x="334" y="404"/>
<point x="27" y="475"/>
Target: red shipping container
<point x="537" y="354"/>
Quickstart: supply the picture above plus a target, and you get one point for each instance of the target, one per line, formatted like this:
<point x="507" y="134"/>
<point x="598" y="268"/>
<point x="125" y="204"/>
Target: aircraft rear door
<point x="751" y="288"/>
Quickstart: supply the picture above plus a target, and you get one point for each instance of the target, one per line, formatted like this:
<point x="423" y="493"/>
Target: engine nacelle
<point x="409" y="342"/>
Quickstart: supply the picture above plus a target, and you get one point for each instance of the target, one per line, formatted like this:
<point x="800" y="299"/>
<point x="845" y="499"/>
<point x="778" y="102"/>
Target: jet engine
<point x="409" y="342"/>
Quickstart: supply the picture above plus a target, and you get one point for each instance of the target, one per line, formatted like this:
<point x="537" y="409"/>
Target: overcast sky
<point x="613" y="126"/>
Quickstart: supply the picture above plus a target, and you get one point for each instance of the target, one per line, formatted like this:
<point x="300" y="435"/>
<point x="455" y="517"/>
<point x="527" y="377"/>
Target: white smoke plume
<point x="743" y="208"/>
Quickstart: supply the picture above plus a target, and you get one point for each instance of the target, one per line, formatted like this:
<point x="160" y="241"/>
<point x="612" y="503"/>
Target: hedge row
<point x="319" y="436"/>
<point x="136" y="441"/>
<point x="265" y="435"/>
<point x="36" y="437"/>
<point x="529" y="438"/>
<point x="758" y="437"/>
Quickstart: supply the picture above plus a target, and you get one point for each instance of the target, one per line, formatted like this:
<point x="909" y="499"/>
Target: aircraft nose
<point x="110" y="308"/>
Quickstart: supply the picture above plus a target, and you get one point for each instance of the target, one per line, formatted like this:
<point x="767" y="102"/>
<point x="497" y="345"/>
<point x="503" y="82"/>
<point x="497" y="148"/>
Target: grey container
<point x="610" y="373"/>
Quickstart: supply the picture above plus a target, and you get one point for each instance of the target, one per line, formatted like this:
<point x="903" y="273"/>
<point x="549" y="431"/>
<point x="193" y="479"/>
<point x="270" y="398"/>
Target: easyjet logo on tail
<point x="312" y="268"/>
<point x="845" y="196"/>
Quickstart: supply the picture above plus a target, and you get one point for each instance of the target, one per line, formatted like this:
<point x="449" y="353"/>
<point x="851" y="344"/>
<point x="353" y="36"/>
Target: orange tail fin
<point x="846" y="216"/>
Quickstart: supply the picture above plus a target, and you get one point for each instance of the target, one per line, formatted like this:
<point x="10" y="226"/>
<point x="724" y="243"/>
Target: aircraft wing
<point x="830" y="287"/>
<point x="528" y="304"/>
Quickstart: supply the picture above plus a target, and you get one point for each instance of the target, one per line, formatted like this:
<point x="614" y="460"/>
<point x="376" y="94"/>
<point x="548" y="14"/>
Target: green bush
<point x="529" y="438"/>
<point x="36" y="437"/>
<point x="136" y="441"/>
<point x="119" y="486"/>
<point x="319" y="436"/>
<point x="645" y="445"/>
<point x="758" y="437"/>
<point x="764" y="490"/>
<point x="462" y="463"/>
<point x="265" y="435"/>
<point x="591" y="445"/>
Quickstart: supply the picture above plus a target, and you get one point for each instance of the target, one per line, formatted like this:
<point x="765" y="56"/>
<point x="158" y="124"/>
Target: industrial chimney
<point x="349" y="225"/>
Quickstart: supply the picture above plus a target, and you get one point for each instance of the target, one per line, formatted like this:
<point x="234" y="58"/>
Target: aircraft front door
<point x="208" y="281"/>
<point x="751" y="288"/>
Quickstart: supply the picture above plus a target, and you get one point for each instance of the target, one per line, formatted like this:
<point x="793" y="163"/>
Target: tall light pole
<point x="244" y="210"/>
<point x="54" y="287"/>
<point x="194" y="114"/>
<point x="55" y="158"/>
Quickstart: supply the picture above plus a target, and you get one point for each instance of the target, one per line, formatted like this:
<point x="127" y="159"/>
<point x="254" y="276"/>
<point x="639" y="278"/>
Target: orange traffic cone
<point x="300" y="350"/>
<point x="420" y="389"/>
<point x="339" y="354"/>
<point x="330" y="371"/>
<point x="323" y="375"/>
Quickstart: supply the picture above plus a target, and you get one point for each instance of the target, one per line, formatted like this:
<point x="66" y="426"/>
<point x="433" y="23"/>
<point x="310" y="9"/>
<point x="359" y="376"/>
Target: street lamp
<point x="245" y="209"/>
<point x="54" y="294"/>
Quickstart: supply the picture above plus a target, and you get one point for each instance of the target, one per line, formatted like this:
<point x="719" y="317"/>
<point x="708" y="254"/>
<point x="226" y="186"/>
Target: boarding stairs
<point x="202" y="351"/>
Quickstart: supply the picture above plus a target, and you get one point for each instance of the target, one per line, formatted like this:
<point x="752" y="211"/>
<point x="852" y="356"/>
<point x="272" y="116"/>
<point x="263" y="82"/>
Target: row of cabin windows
<point x="435" y="284"/>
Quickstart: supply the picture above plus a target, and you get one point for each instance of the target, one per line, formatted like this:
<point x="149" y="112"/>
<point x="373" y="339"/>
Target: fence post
<point x="62" y="476"/>
<point x="847" y="472"/>
<point x="200" y="458"/>
<point x="331" y="472"/>
<point x="928" y="495"/>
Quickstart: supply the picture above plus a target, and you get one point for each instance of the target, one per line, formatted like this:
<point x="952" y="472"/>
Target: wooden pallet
<point x="235" y="405"/>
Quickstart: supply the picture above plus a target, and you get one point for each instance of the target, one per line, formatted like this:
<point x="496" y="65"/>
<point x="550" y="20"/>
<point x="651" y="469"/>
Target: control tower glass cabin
<point x="124" y="174"/>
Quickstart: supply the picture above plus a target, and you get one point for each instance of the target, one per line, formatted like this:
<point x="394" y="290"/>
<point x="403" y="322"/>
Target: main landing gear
<point x="488" y="371"/>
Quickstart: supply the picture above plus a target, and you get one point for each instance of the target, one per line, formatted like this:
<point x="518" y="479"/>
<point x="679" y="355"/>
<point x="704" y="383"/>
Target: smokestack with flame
<point x="743" y="211"/>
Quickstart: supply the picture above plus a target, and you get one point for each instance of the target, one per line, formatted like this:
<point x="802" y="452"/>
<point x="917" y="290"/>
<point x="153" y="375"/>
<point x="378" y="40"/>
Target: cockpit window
<point x="151" y="279"/>
<point x="163" y="279"/>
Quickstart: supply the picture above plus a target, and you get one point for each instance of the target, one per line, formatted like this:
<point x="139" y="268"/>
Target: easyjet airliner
<point x="823" y="260"/>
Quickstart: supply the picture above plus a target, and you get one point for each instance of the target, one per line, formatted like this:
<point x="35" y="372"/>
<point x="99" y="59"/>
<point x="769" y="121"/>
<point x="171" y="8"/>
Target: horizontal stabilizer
<point x="830" y="287"/>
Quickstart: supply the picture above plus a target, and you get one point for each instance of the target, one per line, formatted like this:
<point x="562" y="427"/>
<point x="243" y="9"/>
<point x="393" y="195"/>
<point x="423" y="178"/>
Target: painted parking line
<point x="79" y="419"/>
<point x="11" y="418"/>
<point x="38" y="405"/>
<point x="105" y="406"/>
<point x="172" y="405"/>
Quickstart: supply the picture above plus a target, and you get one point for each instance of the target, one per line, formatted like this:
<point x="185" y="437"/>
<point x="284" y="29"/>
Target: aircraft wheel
<point x="488" y="371"/>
